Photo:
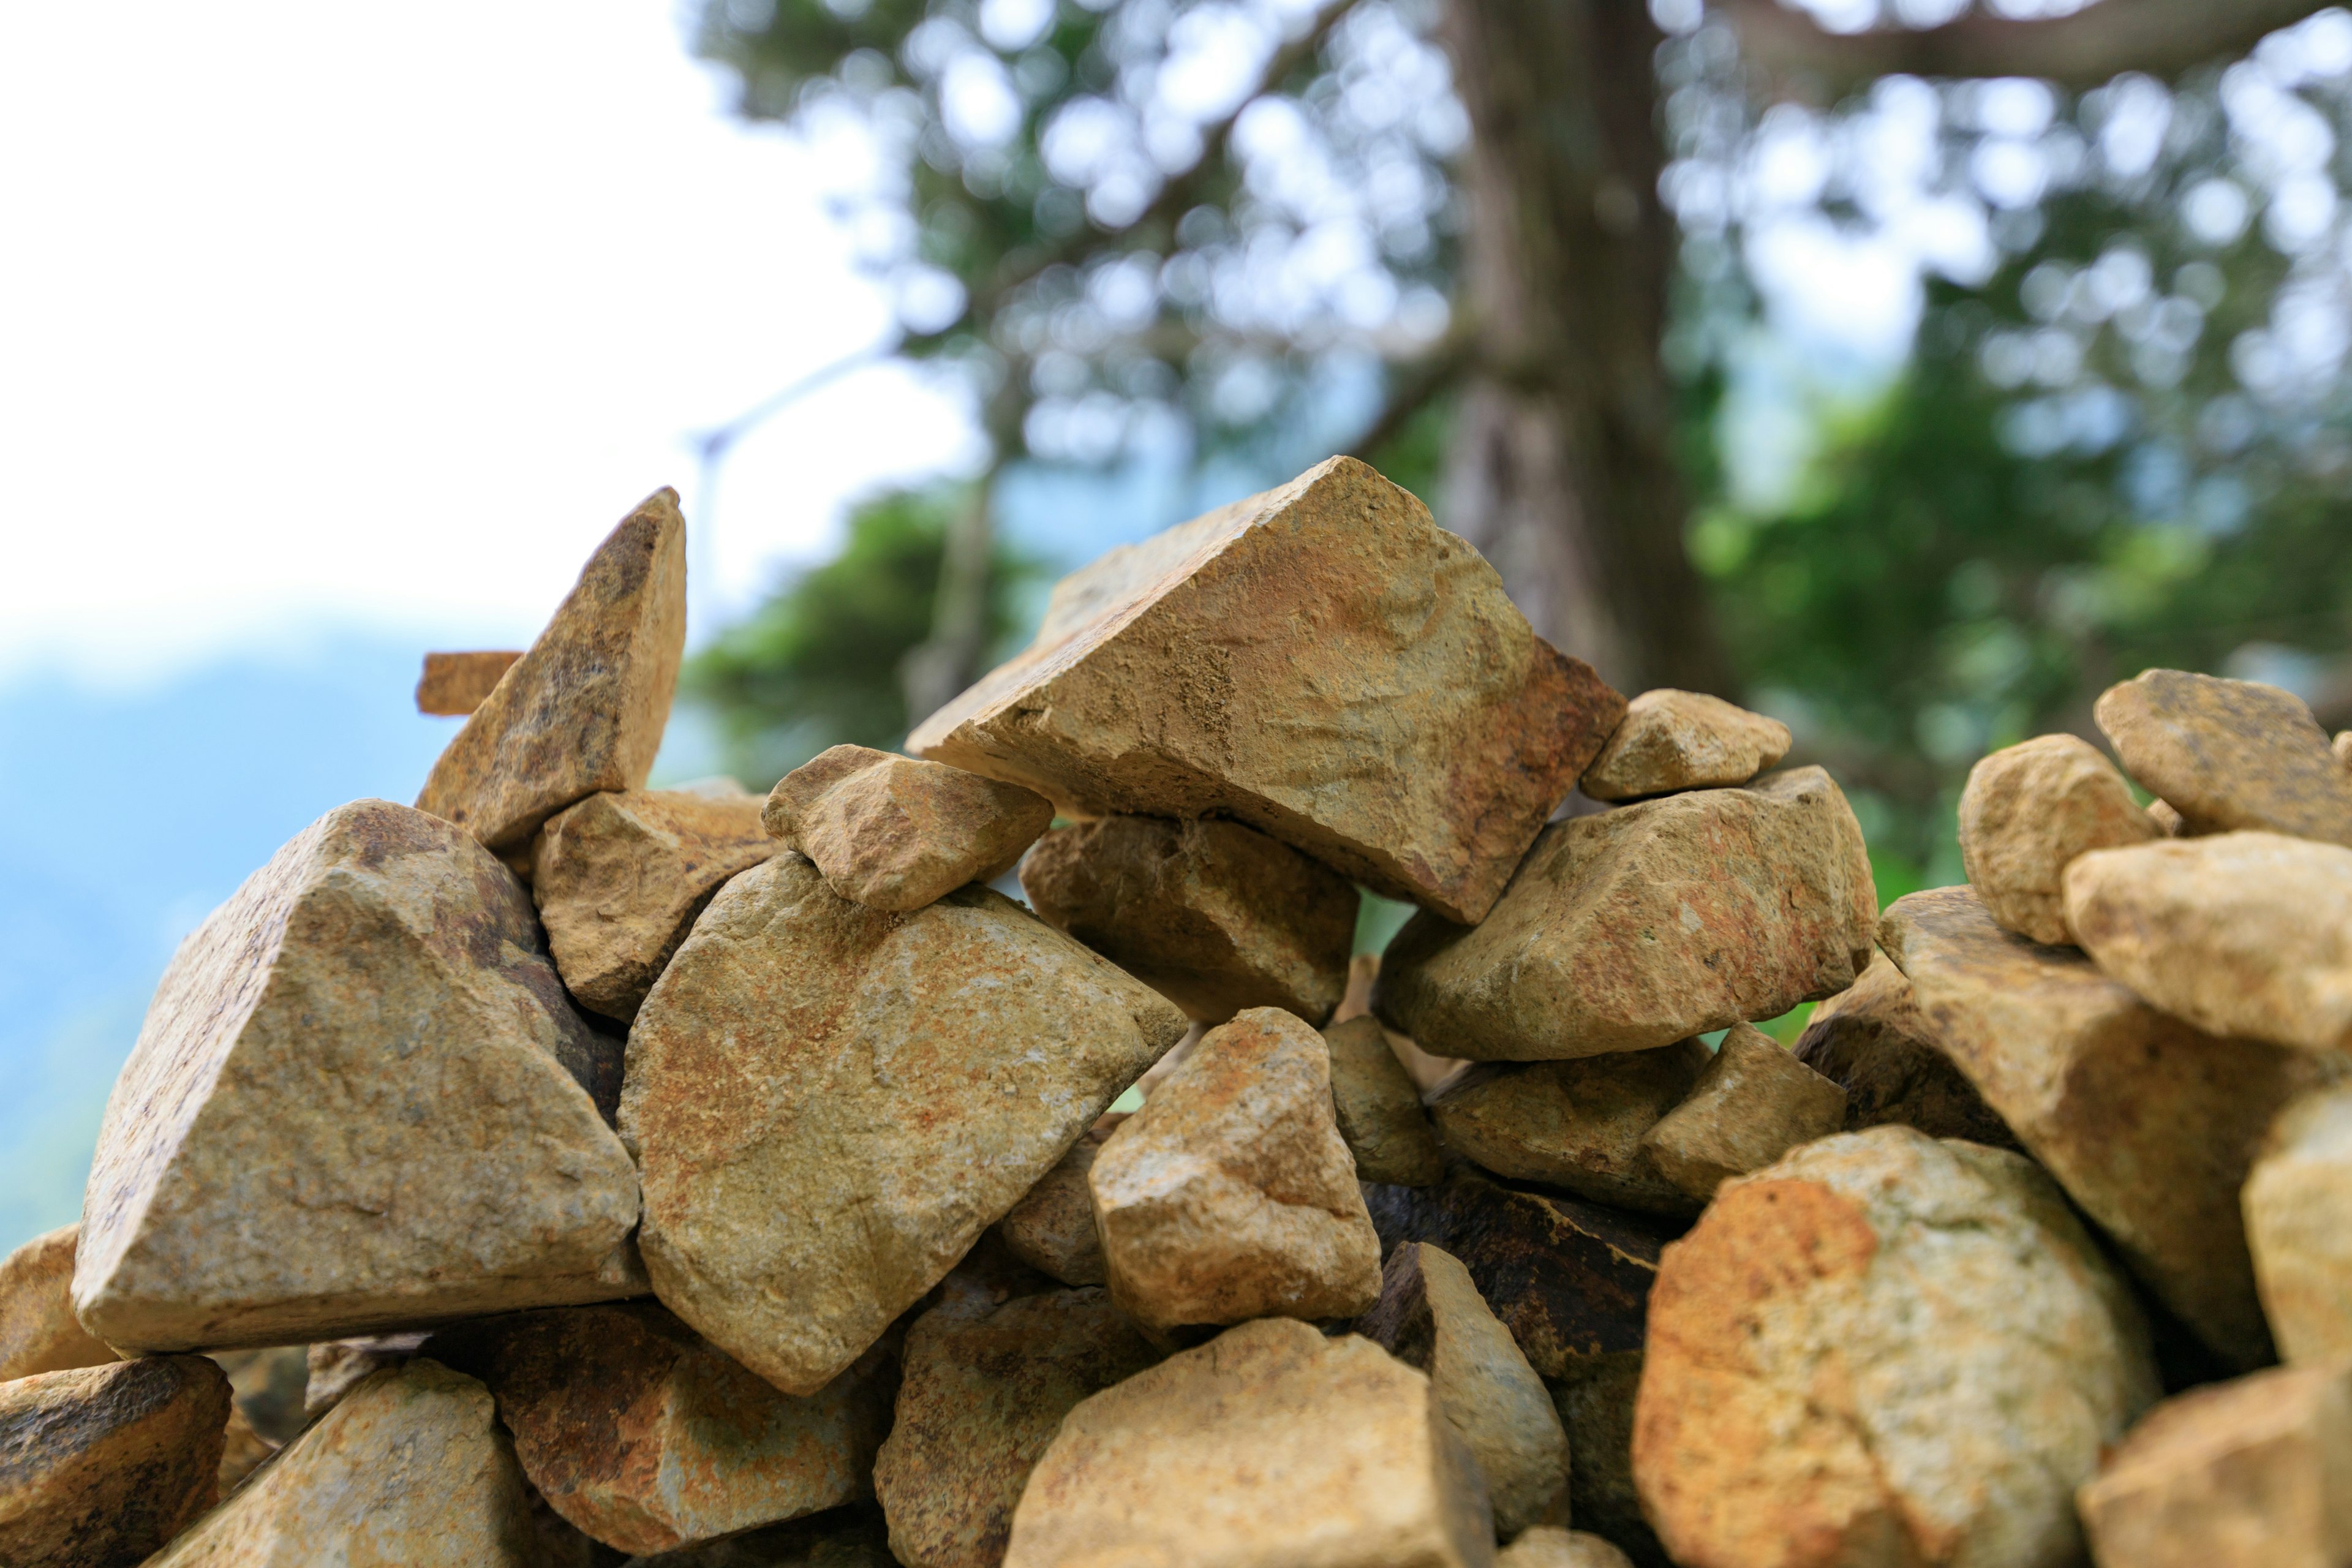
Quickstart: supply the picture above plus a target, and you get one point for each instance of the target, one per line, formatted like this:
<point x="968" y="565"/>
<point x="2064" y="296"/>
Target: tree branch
<point x="2094" y="46"/>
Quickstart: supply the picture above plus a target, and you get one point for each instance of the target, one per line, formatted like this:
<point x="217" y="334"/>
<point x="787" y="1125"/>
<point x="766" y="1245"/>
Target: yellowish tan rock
<point x="1378" y="1108"/>
<point x="1320" y="661"/>
<point x="101" y="1465"/>
<point x="1231" y="1194"/>
<point x="454" y="684"/>
<point x="584" y="710"/>
<point x="1268" y="1445"/>
<point x="2228" y="755"/>
<point x="1673" y="740"/>
<point x="1639" y="927"/>
<point x="2028" y="810"/>
<point x="620" y="877"/>
<point x="2252" y="1474"/>
<point x="1549" y="1546"/>
<point x="2241" y="933"/>
<point x="1576" y="1124"/>
<point x="1753" y="1104"/>
<point x="338" y="1366"/>
<point x="38" y="1331"/>
<point x="830" y="1102"/>
<point x="348" y="1110"/>
<point x="1051" y="1228"/>
<point x="2297" y="1199"/>
<point x="1870" y="1041"/>
<point x="893" y="833"/>
<point x="1884" y="1351"/>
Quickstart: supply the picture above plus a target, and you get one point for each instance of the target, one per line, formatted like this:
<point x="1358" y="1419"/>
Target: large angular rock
<point x="1753" y="1104"/>
<point x="2028" y="810"/>
<point x="1322" y="662"/>
<point x="1884" y="1351"/>
<point x="648" y="1437"/>
<point x="454" y="684"/>
<point x="2252" y="1474"/>
<point x="2241" y="933"/>
<point x="1432" y="1316"/>
<point x="1673" y="740"/>
<point x="620" y="877"/>
<point x="1576" y="1124"/>
<point x="1646" y="925"/>
<point x="349" y="1110"/>
<point x="1230" y="1194"/>
<point x="38" y="1331"/>
<point x="986" y="1386"/>
<point x="1268" y="1445"/>
<point x="411" y="1467"/>
<point x="1051" y="1228"/>
<point x="2296" y="1198"/>
<point x="101" y="1465"/>
<point x="1217" y="916"/>
<point x="893" y="833"/>
<point x="1379" y="1109"/>
<point x="2148" y="1123"/>
<point x="584" y="710"/>
<point x="1549" y="1546"/>
<point x="2228" y="755"/>
<point x="831" y="1102"/>
<point x="1870" y="1041"/>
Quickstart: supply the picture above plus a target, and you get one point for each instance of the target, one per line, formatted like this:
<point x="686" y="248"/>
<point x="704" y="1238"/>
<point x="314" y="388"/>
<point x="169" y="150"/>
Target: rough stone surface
<point x="1432" y="1316"/>
<point x="1596" y="1406"/>
<point x="619" y="878"/>
<point x="1886" y="1351"/>
<point x="985" y="1389"/>
<point x="2030" y="808"/>
<point x="2252" y="1474"/>
<point x="454" y="684"/>
<point x="1268" y="1445"/>
<point x="1320" y="661"/>
<point x="1549" y="1546"/>
<point x="1378" y="1108"/>
<point x="844" y="1538"/>
<point x="1215" y="915"/>
<point x="1753" y="1104"/>
<point x="101" y="1465"/>
<point x="893" y="833"/>
<point x="410" y="1469"/>
<point x="2241" y="933"/>
<point x="1648" y="924"/>
<point x="1575" y="1124"/>
<point x="2296" y="1201"/>
<point x="242" y="1451"/>
<point x="1230" y="1194"/>
<point x="2148" y="1123"/>
<point x="348" y="1111"/>
<point x="831" y="1102"/>
<point x="1051" y="1228"/>
<point x="584" y="710"/>
<point x="2166" y="820"/>
<point x="38" y="1331"/>
<point x="1870" y="1041"/>
<point x="338" y="1366"/>
<point x="2342" y="747"/>
<point x="2228" y="755"/>
<point x="648" y="1437"/>
<point x="1683" y="740"/>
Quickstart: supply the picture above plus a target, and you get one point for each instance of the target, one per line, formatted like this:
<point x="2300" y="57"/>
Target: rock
<point x="338" y="1366"/>
<point x="1595" y="1401"/>
<point x="1051" y="1228"/>
<point x="2148" y="1123"/>
<point x="648" y="1437"/>
<point x="619" y="878"/>
<point x="1870" y="1041"/>
<point x="1215" y="916"/>
<point x="1753" y="1104"/>
<point x="1549" y="1546"/>
<point x="1576" y="1124"/>
<point x="2240" y="934"/>
<point x="2250" y="1474"/>
<point x="2295" y="1200"/>
<point x="584" y="710"/>
<point x="2342" y="747"/>
<point x="38" y="1331"/>
<point x="409" y="1469"/>
<point x="2028" y="810"/>
<point x="347" y="1112"/>
<point x="1883" y="1349"/>
<point x="1646" y="925"/>
<point x="892" y="833"/>
<point x="2166" y="820"/>
<point x="101" y="1465"/>
<point x="242" y="1451"/>
<point x="1230" y="1194"/>
<point x="1321" y="662"/>
<point x="831" y="1102"/>
<point x="1268" y="1445"/>
<point x="844" y="1538"/>
<point x="1430" y="1316"/>
<point x="1378" y="1107"/>
<point x="985" y="1389"/>
<point x="1673" y="740"/>
<point x="454" y="684"/>
<point x="2228" y="755"/>
<point x="271" y="1387"/>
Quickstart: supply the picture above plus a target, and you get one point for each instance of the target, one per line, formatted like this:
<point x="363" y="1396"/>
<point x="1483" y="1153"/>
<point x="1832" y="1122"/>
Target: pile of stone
<point x="563" y="1171"/>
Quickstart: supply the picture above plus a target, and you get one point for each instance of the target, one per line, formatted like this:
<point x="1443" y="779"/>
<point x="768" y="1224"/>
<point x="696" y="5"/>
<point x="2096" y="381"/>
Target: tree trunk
<point x="1563" y="469"/>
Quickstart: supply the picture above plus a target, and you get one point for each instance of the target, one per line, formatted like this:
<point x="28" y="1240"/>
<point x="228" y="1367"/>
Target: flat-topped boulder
<point x="102" y="1465"/>
<point x="1671" y="741"/>
<point x="2229" y="754"/>
<point x="2027" y="812"/>
<point x="38" y="1331"/>
<point x="1322" y="662"/>
<point x="893" y="833"/>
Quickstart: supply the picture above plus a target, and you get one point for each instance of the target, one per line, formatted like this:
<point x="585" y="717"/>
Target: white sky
<point x="315" y="314"/>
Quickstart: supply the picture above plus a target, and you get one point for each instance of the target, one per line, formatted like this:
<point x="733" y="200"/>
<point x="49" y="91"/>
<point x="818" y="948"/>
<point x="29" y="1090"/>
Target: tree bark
<point x="1563" y="469"/>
